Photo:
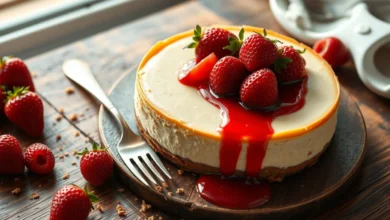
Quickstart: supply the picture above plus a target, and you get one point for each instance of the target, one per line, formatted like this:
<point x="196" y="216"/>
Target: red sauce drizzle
<point x="253" y="127"/>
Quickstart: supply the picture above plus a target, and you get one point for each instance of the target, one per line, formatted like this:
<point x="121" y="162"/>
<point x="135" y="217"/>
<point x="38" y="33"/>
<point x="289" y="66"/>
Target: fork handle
<point x="80" y="72"/>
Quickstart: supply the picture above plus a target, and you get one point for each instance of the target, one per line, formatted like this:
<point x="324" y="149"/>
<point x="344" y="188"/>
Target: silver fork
<point x="131" y="147"/>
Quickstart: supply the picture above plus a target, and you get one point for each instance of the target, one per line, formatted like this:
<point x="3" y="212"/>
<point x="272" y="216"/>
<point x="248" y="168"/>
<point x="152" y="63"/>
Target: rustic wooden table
<point x="113" y="52"/>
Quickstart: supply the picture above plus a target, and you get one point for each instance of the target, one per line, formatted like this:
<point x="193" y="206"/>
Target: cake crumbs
<point x="77" y="133"/>
<point x="120" y="210"/>
<point x="66" y="154"/>
<point x="145" y="207"/>
<point x="77" y="156"/>
<point x="66" y="176"/>
<point x="73" y="117"/>
<point x="74" y="152"/>
<point x="16" y="191"/>
<point x="159" y="189"/>
<point x="165" y="185"/>
<point x="100" y="208"/>
<point x="61" y="156"/>
<point x="58" y="137"/>
<point x="81" y="114"/>
<point x="34" y="196"/>
<point x="60" y="148"/>
<point x="86" y="140"/>
<point x="180" y="190"/>
<point x="61" y="110"/>
<point x="121" y="190"/>
<point x="58" y="117"/>
<point x="69" y="90"/>
<point x="34" y="75"/>
<point x="74" y="163"/>
<point x="180" y="171"/>
<point x="16" y="179"/>
<point x="169" y="193"/>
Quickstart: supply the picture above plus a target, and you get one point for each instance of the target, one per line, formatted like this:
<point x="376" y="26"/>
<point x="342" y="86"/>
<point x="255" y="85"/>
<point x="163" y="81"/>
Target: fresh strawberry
<point x="13" y="72"/>
<point x="11" y="156"/>
<point x="72" y="202"/>
<point x="200" y="73"/>
<point x="332" y="50"/>
<point x="227" y="76"/>
<point x="258" y="52"/>
<point x="290" y="65"/>
<point x="96" y="165"/>
<point x="39" y="159"/>
<point x="25" y="109"/>
<point x="260" y="89"/>
<point x="213" y="40"/>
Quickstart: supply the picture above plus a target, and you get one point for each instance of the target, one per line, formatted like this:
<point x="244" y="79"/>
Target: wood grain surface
<point x="112" y="53"/>
<point x="313" y="189"/>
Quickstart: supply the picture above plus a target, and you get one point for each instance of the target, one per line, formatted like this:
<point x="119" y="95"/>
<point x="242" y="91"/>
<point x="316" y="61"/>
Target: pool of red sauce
<point x="242" y="125"/>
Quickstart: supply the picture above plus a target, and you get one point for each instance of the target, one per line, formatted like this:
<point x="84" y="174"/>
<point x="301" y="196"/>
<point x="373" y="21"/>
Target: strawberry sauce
<point x="240" y="125"/>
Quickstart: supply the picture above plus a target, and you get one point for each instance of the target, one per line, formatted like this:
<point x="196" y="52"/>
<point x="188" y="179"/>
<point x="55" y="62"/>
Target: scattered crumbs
<point x="74" y="163"/>
<point x="86" y="108"/>
<point x="169" y="193"/>
<point x="58" y="117"/>
<point x="61" y="110"/>
<point x="16" y="179"/>
<point x="100" y="208"/>
<point x="145" y="207"/>
<point x="66" y="176"/>
<point x="165" y="185"/>
<point x="69" y="90"/>
<point x="34" y="196"/>
<point x="151" y="217"/>
<point x="77" y="156"/>
<point x="74" y="152"/>
<point x="77" y="133"/>
<point x="180" y="190"/>
<point x="16" y="191"/>
<point x="121" y="190"/>
<point x="34" y="75"/>
<point x="309" y="153"/>
<point x="58" y="137"/>
<point x="73" y="117"/>
<point x="66" y="154"/>
<point x="81" y="114"/>
<point x="86" y="140"/>
<point x="60" y="148"/>
<point x="180" y="172"/>
<point x="120" y="210"/>
<point x="61" y="156"/>
<point x="158" y="188"/>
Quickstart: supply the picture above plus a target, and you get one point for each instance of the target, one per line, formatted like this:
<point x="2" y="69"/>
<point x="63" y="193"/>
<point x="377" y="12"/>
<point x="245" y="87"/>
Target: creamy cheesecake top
<point x="158" y="85"/>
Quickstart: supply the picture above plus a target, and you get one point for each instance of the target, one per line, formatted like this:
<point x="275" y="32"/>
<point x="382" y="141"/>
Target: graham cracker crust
<point x="272" y="174"/>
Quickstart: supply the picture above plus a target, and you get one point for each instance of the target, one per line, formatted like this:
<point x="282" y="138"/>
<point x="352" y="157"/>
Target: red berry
<point x="332" y="50"/>
<point x="71" y="202"/>
<point x="96" y="165"/>
<point x="39" y="159"/>
<point x="13" y="72"/>
<point x="293" y="69"/>
<point x="213" y="40"/>
<point x="11" y="156"/>
<point x="258" y="52"/>
<point x="200" y="73"/>
<point x="260" y="89"/>
<point x="227" y="76"/>
<point x="25" y="109"/>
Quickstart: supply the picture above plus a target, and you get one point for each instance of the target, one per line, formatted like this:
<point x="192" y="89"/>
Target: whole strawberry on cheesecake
<point x="236" y="101"/>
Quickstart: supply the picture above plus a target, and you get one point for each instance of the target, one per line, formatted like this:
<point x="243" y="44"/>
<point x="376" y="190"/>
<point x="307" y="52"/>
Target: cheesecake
<point x="203" y="133"/>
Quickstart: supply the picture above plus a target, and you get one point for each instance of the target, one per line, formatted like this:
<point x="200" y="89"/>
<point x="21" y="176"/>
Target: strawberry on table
<point x="290" y="65"/>
<point x="213" y="40"/>
<point x="11" y="156"/>
<point x="25" y="109"/>
<point x="39" y="159"/>
<point x="72" y="202"/>
<point x="259" y="90"/>
<point x="332" y="50"/>
<point x="14" y="72"/>
<point x="96" y="165"/>
<point x="258" y="52"/>
<point x="227" y="76"/>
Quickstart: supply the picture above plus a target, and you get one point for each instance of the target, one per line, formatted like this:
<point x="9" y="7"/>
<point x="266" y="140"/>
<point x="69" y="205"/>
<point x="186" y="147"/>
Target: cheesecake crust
<point x="272" y="174"/>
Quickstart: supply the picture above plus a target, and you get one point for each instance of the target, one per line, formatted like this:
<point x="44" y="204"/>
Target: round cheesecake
<point x="183" y="127"/>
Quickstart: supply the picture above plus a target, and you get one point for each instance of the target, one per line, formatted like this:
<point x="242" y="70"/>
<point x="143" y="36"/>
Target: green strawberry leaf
<point x="92" y="198"/>
<point x="265" y="35"/>
<point x="196" y="38"/>
<point x="234" y="43"/>
<point x="82" y="153"/>
<point x="301" y="51"/>
<point x="281" y="63"/>
<point x="16" y="92"/>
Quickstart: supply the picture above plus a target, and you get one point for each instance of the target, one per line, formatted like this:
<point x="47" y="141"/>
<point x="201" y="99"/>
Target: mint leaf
<point x="281" y="63"/>
<point x="191" y="45"/>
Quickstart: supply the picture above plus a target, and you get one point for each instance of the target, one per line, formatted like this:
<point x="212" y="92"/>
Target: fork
<point x="132" y="148"/>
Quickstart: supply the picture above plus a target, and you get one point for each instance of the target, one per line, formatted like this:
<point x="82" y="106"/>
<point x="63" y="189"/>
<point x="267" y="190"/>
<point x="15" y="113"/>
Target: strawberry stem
<point x="3" y="60"/>
<point x="92" y="197"/>
<point x="196" y="38"/>
<point x="16" y="92"/>
<point x="234" y="43"/>
<point x="95" y="147"/>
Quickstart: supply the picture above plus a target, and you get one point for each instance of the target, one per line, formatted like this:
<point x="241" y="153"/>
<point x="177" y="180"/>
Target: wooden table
<point x="113" y="52"/>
